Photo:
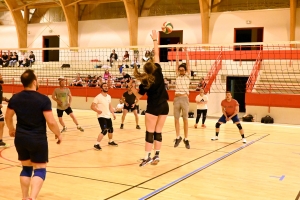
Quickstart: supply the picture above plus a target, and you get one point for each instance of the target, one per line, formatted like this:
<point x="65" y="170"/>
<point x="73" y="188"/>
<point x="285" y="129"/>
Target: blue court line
<point x="198" y="170"/>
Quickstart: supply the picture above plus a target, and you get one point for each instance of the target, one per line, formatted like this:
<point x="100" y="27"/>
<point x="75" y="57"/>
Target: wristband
<point x="155" y="40"/>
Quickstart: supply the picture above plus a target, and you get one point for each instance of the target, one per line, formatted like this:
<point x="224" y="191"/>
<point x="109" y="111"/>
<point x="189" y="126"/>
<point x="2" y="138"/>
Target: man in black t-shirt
<point x="130" y="102"/>
<point x="33" y="112"/>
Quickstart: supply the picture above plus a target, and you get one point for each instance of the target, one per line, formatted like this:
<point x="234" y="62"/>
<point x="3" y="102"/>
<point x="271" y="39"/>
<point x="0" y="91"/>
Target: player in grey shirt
<point x="63" y="97"/>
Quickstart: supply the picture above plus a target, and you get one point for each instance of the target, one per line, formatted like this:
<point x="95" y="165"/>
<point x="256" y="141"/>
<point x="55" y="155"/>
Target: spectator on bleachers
<point x="31" y="58"/>
<point x="119" y="107"/>
<point x="24" y="61"/>
<point x="166" y="81"/>
<point x="126" y="57"/>
<point x="88" y="80"/>
<point x="106" y="74"/>
<point x="93" y="82"/>
<point x="147" y="56"/>
<point x="200" y="85"/>
<point x="113" y="57"/>
<point x="5" y="60"/>
<point x="99" y="81"/>
<point x="13" y="59"/>
<point x="126" y="78"/>
<point x="110" y="82"/>
<point x="77" y="81"/>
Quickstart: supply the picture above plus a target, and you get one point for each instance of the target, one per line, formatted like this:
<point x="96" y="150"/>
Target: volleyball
<point x="167" y="27"/>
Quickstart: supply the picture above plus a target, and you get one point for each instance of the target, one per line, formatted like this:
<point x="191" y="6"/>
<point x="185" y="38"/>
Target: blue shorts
<point x="235" y="119"/>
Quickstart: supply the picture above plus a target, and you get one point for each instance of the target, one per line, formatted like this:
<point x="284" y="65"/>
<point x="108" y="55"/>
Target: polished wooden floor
<point x="267" y="167"/>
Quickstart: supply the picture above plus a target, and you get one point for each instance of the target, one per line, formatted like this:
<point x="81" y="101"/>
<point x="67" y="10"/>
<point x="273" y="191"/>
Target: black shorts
<point x="61" y="112"/>
<point x="105" y="123"/>
<point x="35" y="150"/>
<point x="129" y="108"/>
<point x="161" y="109"/>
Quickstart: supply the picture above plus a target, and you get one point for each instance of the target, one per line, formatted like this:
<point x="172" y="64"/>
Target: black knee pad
<point x="239" y="126"/>
<point x="149" y="137"/>
<point x="157" y="137"/>
<point x="104" y="132"/>
<point x="111" y="130"/>
<point x="218" y="125"/>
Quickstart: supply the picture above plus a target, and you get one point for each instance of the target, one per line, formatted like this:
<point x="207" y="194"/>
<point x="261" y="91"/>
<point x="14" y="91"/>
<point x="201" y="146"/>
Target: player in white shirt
<point x="201" y="100"/>
<point x="102" y="106"/>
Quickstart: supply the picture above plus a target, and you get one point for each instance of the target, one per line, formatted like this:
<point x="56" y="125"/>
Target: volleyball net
<point x="251" y="67"/>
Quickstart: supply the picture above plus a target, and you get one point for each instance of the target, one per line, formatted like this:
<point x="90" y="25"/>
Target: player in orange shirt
<point x="230" y="109"/>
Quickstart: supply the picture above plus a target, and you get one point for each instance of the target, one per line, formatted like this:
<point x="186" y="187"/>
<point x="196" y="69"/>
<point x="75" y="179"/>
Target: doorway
<point x="165" y="39"/>
<point x="51" y="42"/>
<point x="248" y="35"/>
<point x="237" y="86"/>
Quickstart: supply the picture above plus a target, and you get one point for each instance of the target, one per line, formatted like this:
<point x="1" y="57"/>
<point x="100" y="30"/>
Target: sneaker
<point x="138" y="127"/>
<point x="80" y="128"/>
<point x="214" y="138"/>
<point x="121" y="127"/>
<point x="155" y="160"/>
<point x="97" y="147"/>
<point x="203" y="126"/>
<point x="244" y="140"/>
<point x="196" y="125"/>
<point x="187" y="144"/>
<point x="2" y="144"/>
<point x="177" y="141"/>
<point x="64" y="129"/>
<point x="113" y="144"/>
<point x="145" y="162"/>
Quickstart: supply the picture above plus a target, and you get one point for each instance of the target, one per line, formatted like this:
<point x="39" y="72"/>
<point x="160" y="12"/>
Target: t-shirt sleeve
<point x="236" y="103"/>
<point x="47" y="105"/>
<point x="11" y="103"/>
<point x="95" y="100"/>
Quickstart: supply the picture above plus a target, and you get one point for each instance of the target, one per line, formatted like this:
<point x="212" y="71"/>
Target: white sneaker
<point x="214" y="138"/>
<point x="244" y="140"/>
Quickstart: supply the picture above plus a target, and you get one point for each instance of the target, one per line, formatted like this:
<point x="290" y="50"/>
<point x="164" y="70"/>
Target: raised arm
<point x="156" y="54"/>
<point x="188" y="68"/>
<point x="177" y="61"/>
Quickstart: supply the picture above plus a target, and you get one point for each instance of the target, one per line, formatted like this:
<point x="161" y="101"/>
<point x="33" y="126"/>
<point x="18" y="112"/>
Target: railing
<point x="253" y="76"/>
<point x="212" y="74"/>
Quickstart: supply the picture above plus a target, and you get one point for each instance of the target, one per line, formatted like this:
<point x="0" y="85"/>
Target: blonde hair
<point x="146" y="78"/>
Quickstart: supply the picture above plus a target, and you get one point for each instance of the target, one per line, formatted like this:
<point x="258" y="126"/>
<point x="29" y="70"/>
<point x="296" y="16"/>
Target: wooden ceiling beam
<point x="147" y="4"/>
<point x="293" y="12"/>
<point x="205" y="12"/>
<point x="38" y="14"/>
<point x="71" y="14"/>
<point x="132" y="19"/>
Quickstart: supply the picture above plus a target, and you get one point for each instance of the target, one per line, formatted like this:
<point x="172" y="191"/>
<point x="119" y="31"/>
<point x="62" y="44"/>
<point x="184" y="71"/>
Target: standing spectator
<point x="230" y="109"/>
<point x="63" y="97"/>
<point x="2" y="144"/>
<point x="201" y="100"/>
<point x="33" y="112"/>
<point x="130" y="102"/>
<point x="102" y="106"/>
<point x="106" y="74"/>
<point x="31" y="58"/>
<point x="181" y="100"/>
<point x="152" y="84"/>
<point x="113" y="57"/>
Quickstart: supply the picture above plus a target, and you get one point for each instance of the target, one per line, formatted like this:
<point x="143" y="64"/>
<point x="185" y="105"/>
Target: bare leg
<point x="177" y="127"/>
<point x="124" y="115"/>
<point x="100" y="137"/>
<point x="74" y="118"/>
<point x="136" y="117"/>
<point x="1" y="129"/>
<point x="185" y="126"/>
<point x="25" y="181"/>
<point x="61" y="121"/>
<point x="36" y="181"/>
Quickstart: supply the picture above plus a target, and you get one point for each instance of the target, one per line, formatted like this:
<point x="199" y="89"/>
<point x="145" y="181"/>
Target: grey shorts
<point x="181" y="103"/>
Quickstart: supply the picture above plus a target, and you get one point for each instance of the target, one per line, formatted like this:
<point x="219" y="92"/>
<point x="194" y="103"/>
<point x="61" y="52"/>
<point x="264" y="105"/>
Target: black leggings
<point x="199" y="112"/>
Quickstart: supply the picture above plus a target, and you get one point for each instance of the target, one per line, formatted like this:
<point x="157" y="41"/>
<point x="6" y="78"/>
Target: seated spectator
<point x="13" y="59"/>
<point x="110" y="82"/>
<point x="166" y="81"/>
<point x="106" y="74"/>
<point x="31" y="58"/>
<point x="24" y="61"/>
<point x="120" y="106"/>
<point x="113" y="57"/>
<point x="5" y="60"/>
<point x="93" y="81"/>
<point x="200" y="85"/>
<point x="77" y="81"/>
<point x="99" y="81"/>
<point x="147" y="56"/>
<point x="126" y="57"/>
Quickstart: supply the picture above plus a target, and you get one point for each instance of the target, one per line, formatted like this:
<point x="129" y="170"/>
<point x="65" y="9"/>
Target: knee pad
<point x="104" y="132"/>
<point x="157" y="137"/>
<point x="218" y="125"/>
<point x="239" y="126"/>
<point x="41" y="172"/>
<point x="111" y="130"/>
<point x="27" y="171"/>
<point x="149" y="137"/>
